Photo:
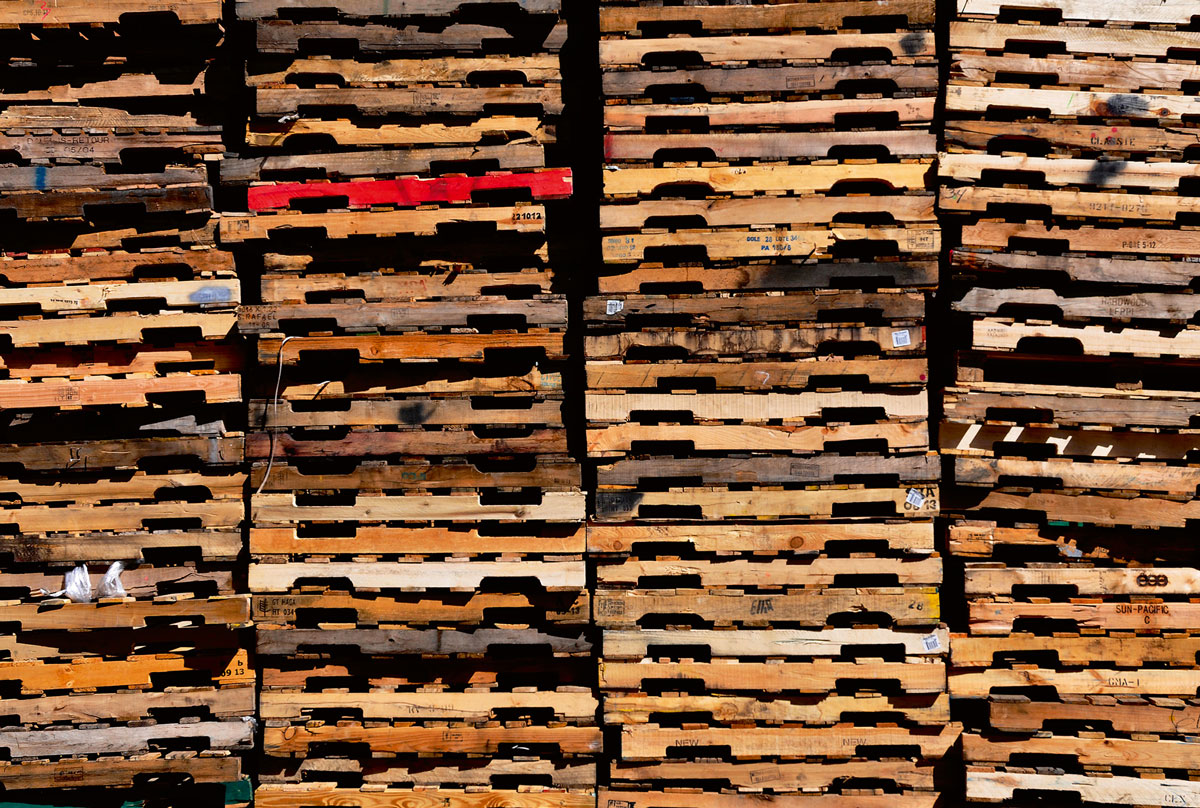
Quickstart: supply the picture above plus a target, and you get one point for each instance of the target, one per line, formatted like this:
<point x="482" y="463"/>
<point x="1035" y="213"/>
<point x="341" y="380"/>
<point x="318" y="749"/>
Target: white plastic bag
<point x="77" y="585"/>
<point x="110" y="584"/>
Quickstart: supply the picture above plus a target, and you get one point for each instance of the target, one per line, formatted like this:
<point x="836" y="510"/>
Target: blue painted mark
<point x="39" y="178"/>
<point x="211" y="294"/>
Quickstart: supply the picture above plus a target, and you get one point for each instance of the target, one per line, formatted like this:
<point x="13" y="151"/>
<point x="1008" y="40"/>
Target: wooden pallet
<point x="288" y="36"/>
<point x="548" y="184"/>
<point x="308" y="610"/>
<point x="817" y="607"/>
<point x="652" y="277"/>
<point x="632" y="20"/>
<point x="988" y="784"/>
<point x="298" y="795"/>
<point x="419" y="576"/>
<point x="767" y="539"/>
<point x="102" y="135"/>
<point x="573" y="773"/>
<point x="750" y="778"/>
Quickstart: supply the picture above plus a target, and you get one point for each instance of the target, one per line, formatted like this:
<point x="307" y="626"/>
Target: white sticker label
<point x="901" y="339"/>
<point x="931" y="642"/>
<point x="613" y="306"/>
<point x="915" y="498"/>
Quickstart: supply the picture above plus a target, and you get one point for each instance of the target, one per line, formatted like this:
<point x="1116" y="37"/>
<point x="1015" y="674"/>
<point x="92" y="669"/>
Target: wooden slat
<point x="761" y="538"/>
<point x="776" y="677"/>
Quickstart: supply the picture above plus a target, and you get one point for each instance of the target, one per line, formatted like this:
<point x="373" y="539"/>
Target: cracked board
<point x="906" y="537"/>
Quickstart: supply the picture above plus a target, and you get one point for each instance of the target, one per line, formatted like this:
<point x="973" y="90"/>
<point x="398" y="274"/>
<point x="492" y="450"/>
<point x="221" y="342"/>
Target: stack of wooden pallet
<point x="756" y="351"/>
<point x="1071" y="417"/>
<point x="121" y="398"/>
<point x="417" y="535"/>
